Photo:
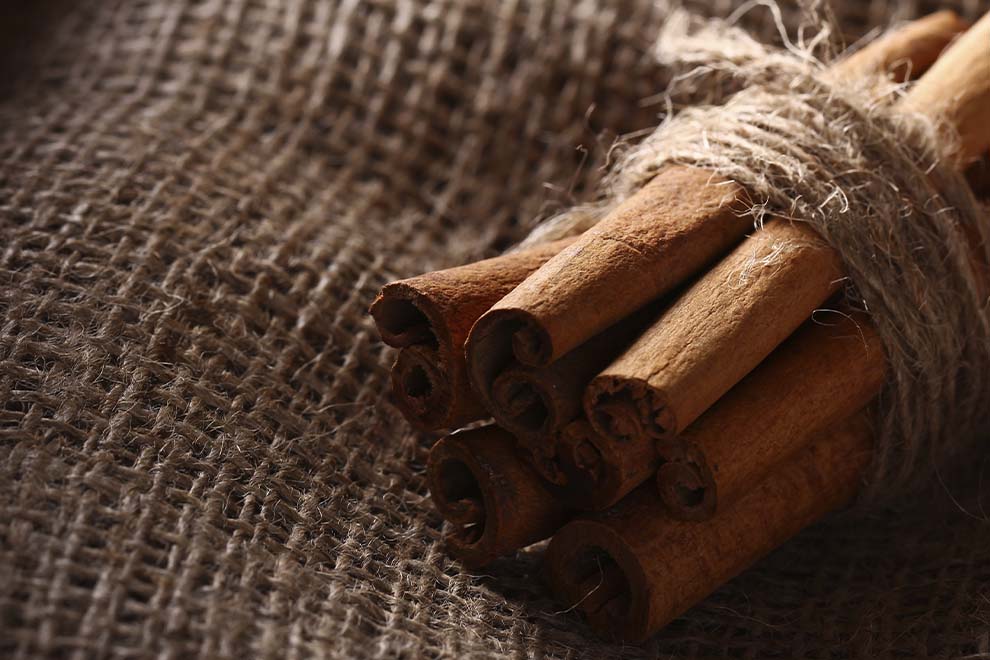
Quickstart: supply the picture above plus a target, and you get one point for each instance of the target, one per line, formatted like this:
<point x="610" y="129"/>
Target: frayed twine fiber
<point x="877" y="185"/>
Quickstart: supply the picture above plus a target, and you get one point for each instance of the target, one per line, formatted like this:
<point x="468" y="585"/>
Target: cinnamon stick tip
<point x="590" y="569"/>
<point x="521" y="404"/>
<point x="480" y="472"/>
<point x="623" y="409"/>
<point x="420" y="388"/>
<point x="587" y="472"/>
<point x="405" y="317"/>
<point x="687" y="489"/>
<point x="550" y="469"/>
<point x="599" y="471"/>
<point x="501" y="336"/>
<point x="531" y="343"/>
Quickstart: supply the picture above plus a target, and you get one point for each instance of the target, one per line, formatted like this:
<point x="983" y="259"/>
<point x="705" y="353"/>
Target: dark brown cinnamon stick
<point x="595" y="473"/>
<point x="632" y="569"/>
<point x="494" y="500"/>
<point x="534" y="403"/>
<point x="429" y="317"/>
<point x="426" y="391"/>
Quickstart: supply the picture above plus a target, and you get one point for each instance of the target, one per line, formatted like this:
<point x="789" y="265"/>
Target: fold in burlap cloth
<point x="198" y="200"/>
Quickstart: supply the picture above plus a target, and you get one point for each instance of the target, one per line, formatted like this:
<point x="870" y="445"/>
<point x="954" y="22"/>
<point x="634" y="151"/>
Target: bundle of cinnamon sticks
<point x="624" y="368"/>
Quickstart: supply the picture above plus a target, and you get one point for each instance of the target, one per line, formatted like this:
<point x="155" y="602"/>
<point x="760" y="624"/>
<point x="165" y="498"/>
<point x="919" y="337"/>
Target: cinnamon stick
<point x="595" y="473"/>
<point x="722" y="327"/>
<point x="761" y="292"/>
<point x="904" y="52"/>
<point x="534" y="403"/>
<point x="829" y="369"/>
<point x="429" y="317"/>
<point x="425" y="390"/>
<point x="678" y="223"/>
<point x="957" y="90"/>
<point x="632" y="569"/>
<point x="495" y="501"/>
<point x="666" y="232"/>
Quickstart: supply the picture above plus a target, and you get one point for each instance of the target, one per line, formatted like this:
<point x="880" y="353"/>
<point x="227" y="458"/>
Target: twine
<point x="878" y="186"/>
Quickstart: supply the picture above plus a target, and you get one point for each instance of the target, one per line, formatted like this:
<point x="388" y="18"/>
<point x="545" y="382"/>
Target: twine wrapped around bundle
<point x="876" y="184"/>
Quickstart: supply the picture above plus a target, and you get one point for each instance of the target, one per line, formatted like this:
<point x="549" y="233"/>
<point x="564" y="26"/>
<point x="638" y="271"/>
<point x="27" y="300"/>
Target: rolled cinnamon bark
<point x="595" y="473"/>
<point x="678" y="223"/>
<point x="632" y="569"/>
<point x="734" y="315"/>
<point x="433" y="313"/>
<point x="828" y="370"/>
<point x="534" y="403"/>
<point x="667" y="231"/>
<point x="425" y="390"/>
<point x="957" y="90"/>
<point x="722" y="327"/>
<point x="905" y="52"/>
<point x="494" y="500"/>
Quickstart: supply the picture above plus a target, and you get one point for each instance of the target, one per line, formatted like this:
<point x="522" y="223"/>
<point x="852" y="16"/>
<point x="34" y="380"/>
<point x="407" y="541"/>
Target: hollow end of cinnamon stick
<point x="490" y="347"/>
<point x="405" y="317"/>
<point x="525" y="404"/>
<point x="623" y="409"/>
<point x="531" y="344"/>
<point x="687" y="487"/>
<point x="493" y="499"/>
<point x="547" y="465"/>
<point x="422" y="390"/>
<point x="535" y="403"/>
<point x="632" y="569"/>
<point x="592" y="570"/>
<point x="597" y="471"/>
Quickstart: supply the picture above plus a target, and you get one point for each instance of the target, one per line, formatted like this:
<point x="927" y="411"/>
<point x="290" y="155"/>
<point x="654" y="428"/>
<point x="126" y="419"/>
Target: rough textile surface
<point x="198" y="200"/>
<point x="877" y="184"/>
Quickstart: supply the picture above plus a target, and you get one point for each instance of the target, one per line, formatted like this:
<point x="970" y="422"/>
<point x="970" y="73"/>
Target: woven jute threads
<point x="198" y="202"/>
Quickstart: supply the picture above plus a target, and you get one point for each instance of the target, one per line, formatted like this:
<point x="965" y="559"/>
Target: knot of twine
<point x="878" y="186"/>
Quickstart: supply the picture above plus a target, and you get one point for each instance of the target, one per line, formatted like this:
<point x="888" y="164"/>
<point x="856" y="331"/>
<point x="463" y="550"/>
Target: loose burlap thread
<point x="198" y="200"/>
<point x="879" y="186"/>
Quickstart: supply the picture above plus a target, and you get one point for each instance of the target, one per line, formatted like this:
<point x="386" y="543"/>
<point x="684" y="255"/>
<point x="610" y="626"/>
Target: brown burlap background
<point x="198" y="200"/>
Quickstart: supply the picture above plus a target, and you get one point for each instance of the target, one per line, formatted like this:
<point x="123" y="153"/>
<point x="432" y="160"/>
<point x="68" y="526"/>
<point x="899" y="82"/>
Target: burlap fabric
<point x="198" y="200"/>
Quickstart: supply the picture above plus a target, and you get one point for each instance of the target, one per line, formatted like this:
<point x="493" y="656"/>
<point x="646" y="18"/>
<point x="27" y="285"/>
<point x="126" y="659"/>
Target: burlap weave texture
<point x="198" y="200"/>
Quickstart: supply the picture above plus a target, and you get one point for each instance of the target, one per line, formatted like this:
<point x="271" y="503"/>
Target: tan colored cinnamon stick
<point x="670" y="229"/>
<point x="722" y="327"/>
<point x="678" y="223"/>
<point x="494" y="500"/>
<point x="829" y="369"/>
<point x="429" y="317"/>
<point x="632" y="569"/>
<point x="734" y="315"/>
<point x="904" y="52"/>
<point x="957" y="89"/>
